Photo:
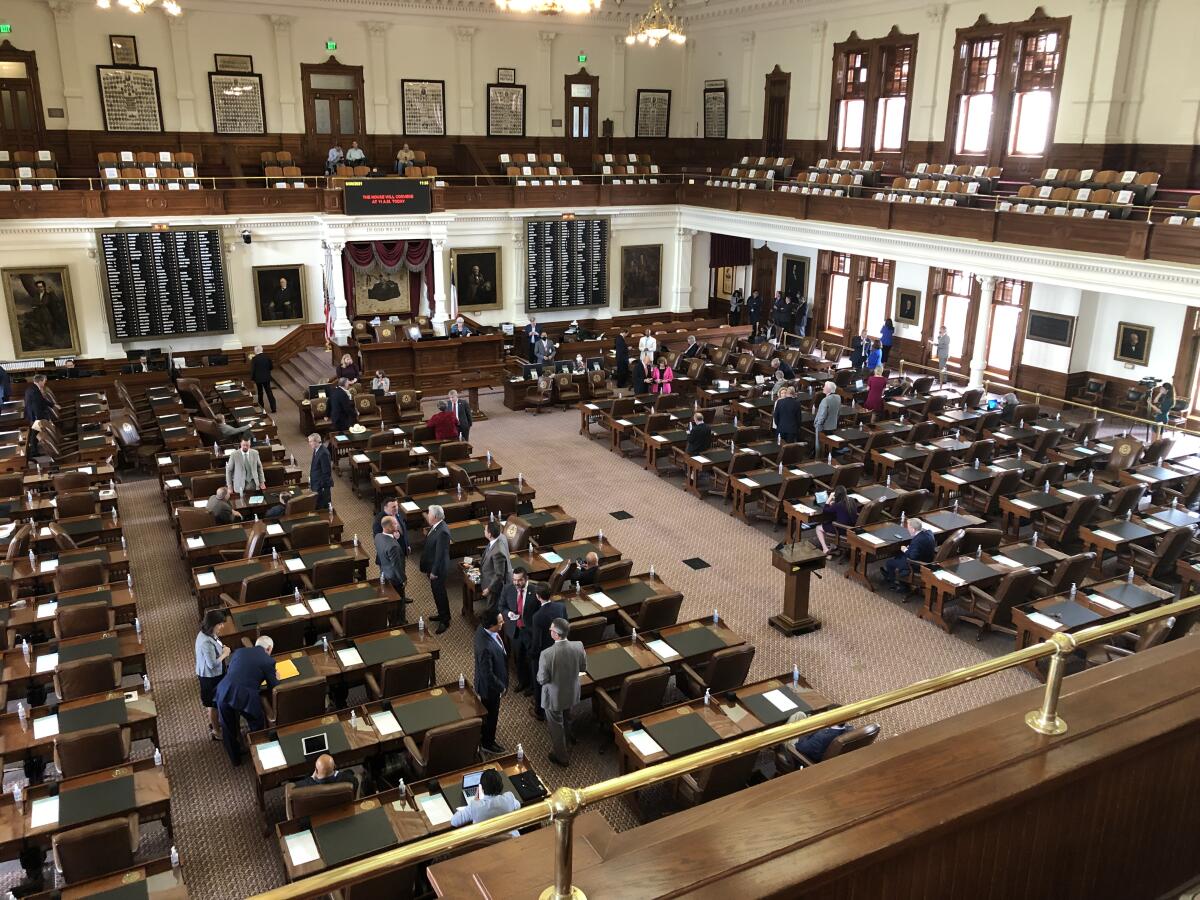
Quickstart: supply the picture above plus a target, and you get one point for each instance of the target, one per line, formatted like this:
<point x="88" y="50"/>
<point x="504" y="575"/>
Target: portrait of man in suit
<point x="641" y="276"/>
<point x="41" y="312"/>
<point x="1133" y="343"/>
<point x="279" y="294"/>
<point x="477" y="277"/>
<point x="906" y="306"/>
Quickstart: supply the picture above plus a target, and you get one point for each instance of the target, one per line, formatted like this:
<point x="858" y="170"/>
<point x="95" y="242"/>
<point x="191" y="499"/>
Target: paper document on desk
<point x="954" y="479"/>
<point x="950" y="577"/>
<point x="206" y="580"/>
<point x="195" y="543"/>
<point x="551" y="557"/>
<point x="780" y="700"/>
<point x="47" y="662"/>
<point x="1005" y="561"/>
<point x="870" y="538"/>
<point x="701" y="459"/>
<point x="48" y="565"/>
<point x="361" y="458"/>
<point x="1105" y="602"/>
<point x="624" y="422"/>
<point x="1086" y="451"/>
<point x="270" y="755"/>
<point x="43" y="812"/>
<point x="1024" y="504"/>
<point x="642" y="742"/>
<point x="47" y="610"/>
<point x="296" y="610"/>
<point x="274" y="529"/>
<point x="834" y="438"/>
<point x="590" y="406"/>
<point x="409" y="506"/>
<point x="1140" y="477"/>
<point x="1045" y="621"/>
<point x="418" y="450"/>
<point x="748" y="482"/>
<point x="658" y="438"/>
<point x="662" y="650"/>
<point x="892" y="456"/>
<point x="318" y="604"/>
<point x="294" y="565"/>
<point x="382" y="479"/>
<point x="445" y="473"/>
<point x="165" y="461"/>
<point x="1071" y="494"/>
<point x="1156" y="523"/>
<point x="173" y="483"/>
<point x="602" y="600"/>
<point x="341" y="437"/>
<point x="46" y="726"/>
<point x="436" y="809"/>
<point x="349" y="656"/>
<point x="385" y="722"/>
<point x="301" y="847"/>
<point x="800" y="507"/>
<point x="1107" y="536"/>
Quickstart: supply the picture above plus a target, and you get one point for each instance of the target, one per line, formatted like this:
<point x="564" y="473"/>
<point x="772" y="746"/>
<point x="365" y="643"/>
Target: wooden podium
<point x="797" y="562"/>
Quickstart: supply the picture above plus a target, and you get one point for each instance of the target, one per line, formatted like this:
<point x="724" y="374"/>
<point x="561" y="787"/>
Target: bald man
<point x="584" y="572"/>
<point x="327" y="772"/>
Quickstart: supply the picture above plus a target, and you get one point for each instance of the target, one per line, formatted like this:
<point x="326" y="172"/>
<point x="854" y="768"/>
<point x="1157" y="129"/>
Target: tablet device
<point x="314" y="744"/>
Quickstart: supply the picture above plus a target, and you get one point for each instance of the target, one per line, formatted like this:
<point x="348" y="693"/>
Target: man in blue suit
<point x="491" y="674"/>
<point x="238" y="693"/>
<point x="320" y="471"/>
<point x="921" y="549"/>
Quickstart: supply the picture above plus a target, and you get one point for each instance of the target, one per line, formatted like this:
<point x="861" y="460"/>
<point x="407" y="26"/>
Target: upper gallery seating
<point x="143" y="170"/>
<point x="521" y="160"/>
<point x="1189" y="215"/>
<point x="1089" y="193"/>
<point x="28" y="170"/>
<point x="537" y="169"/>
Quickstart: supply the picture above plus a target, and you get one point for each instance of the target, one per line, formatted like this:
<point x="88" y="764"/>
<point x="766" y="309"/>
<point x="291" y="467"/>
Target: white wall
<point x="1064" y="301"/>
<point x="1107" y="311"/>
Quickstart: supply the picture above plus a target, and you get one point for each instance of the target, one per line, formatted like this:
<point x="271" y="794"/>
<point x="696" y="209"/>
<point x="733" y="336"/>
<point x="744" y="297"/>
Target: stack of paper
<point x="1005" y="561"/>
<point x="318" y="604"/>
<point x="47" y="610"/>
<point x="701" y="459"/>
<point x="954" y="479"/>
<point x="270" y="755"/>
<point x="435" y="807"/>
<point x="780" y="700"/>
<point x="949" y="577"/>
<point x="663" y="650"/>
<point x="418" y="450"/>
<point x="206" y="579"/>
<point x="296" y="609"/>
<point x="800" y="507"/>
<point x="1045" y="621"/>
<point x="361" y="458"/>
<point x="44" y="727"/>
<point x="349" y="656"/>
<point x="385" y="722"/>
<point x="409" y="506"/>
<point x="1107" y="535"/>
<point x="49" y="565"/>
<point x="870" y="538"/>
<point x="551" y="557"/>
<point x="301" y="847"/>
<point x="1024" y="504"/>
<point x="1105" y="602"/>
<point x="294" y="565"/>
<point x="173" y="483"/>
<point x="603" y="601"/>
<point x="195" y="542"/>
<point x="47" y="662"/>
<point x="748" y="482"/>
<point x="44" y="812"/>
<point x="274" y="529"/>
<point x="643" y="743"/>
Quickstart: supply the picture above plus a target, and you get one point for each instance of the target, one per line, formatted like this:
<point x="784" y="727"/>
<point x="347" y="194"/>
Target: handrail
<point x="565" y="803"/>
<point x="1100" y="409"/>
<point x="905" y="364"/>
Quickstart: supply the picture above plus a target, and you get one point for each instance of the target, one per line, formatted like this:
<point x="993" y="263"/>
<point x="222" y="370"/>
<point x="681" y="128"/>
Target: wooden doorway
<point x="765" y="262"/>
<point x="334" y="109"/>
<point x="22" y="126"/>
<point x="581" y="92"/>
<point x="777" y="90"/>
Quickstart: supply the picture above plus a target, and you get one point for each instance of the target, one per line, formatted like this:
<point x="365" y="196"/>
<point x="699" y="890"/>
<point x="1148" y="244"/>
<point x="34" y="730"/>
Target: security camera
<point x="246" y="236"/>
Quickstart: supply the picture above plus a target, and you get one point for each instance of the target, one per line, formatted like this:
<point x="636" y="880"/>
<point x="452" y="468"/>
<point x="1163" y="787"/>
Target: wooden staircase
<point x="309" y="366"/>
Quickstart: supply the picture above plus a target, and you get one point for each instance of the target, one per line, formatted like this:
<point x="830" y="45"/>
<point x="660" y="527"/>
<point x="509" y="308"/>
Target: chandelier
<point x="655" y="26"/>
<point x="170" y="7"/>
<point x="547" y="7"/>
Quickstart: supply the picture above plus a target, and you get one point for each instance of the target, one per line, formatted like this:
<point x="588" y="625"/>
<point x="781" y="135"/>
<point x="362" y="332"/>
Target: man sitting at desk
<point x="279" y="507"/>
<point x="490" y="800"/>
<point x="692" y="350"/>
<point x="327" y="772"/>
<point x="584" y="572"/>
<point x="220" y="508"/>
<point x="700" y="435"/>
<point x="227" y="431"/>
<point x="921" y="549"/>
<point x="460" y="328"/>
<point x="238" y="693"/>
<point x="445" y="428"/>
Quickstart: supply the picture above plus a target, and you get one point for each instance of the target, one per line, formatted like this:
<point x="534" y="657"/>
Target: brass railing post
<point x="1046" y="720"/>
<point x="566" y="805"/>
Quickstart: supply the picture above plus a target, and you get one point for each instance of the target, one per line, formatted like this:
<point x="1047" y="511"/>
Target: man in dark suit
<point x="390" y="554"/>
<point x="788" y="414"/>
<point x="391" y="507"/>
<point x="518" y="605"/>
<point x="435" y="562"/>
<point x="327" y="772"/>
<point x="238" y="693"/>
<point x="584" y="572"/>
<point x="38" y="408"/>
<point x="778" y="365"/>
<point x="462" y="415"/>
<point x="754" y="312"/>
<point x="341" y="406"/>
<point x="279" y="507"/>
<point x="142" y="365"/>
<point x="320" y="471"/>
<point x="621" y="349"/>
<point x="921" y="549"/>
<point x="700" y="435"/>
<point x="542" y="619"/>
<point x="781" y="314"/>
<point x="260" y="374"/>
<point x="692" y="350"/>
<point x="491" y="674"/>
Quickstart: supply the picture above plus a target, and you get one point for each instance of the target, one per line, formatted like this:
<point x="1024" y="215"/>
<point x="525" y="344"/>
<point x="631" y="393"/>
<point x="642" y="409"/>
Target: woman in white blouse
<point x="210" y="666"/>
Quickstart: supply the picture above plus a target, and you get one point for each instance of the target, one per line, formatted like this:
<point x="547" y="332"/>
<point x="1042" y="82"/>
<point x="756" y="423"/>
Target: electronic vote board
<point x="164" y="282"/>
<point x="567" y="263"/>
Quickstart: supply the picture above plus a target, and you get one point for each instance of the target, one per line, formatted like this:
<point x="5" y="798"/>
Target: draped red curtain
<point x="416" y="257"/>
<point x="726" y="250"/>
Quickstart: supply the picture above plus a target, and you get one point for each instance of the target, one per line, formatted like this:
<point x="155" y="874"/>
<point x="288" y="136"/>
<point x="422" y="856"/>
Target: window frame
<point x="1002" y="296"/>
<point x="1011" y="38"/>
<point x="874" y="52"/>
<point x="838" y="265"/>
<point x="941" y="286"/>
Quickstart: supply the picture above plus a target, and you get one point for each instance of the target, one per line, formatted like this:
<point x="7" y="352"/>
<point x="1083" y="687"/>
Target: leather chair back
<point x="78" y="503"/>
<point x="301" y="504"/>
<point x="71" y="576"/>
<point x="728" y="668"/>
<point x="13" y="484"/>
<point x="556" y="532"/>
<point x="193" y="461"/>
<point x="298" y="699"/>
<point x="364" y="616"/>
<point x="589" y="631"/>
<point x="974" y="538"/>
<point x="263" y="586"/>
<point x="96" y="849"/>
<point x="333" y="572"/>
<point x="66" y="482"/>
<point x="724" y="778"/>
<point x="517" y="533"/>
<point x="310" y="534"/>
<point x="275" y="476"/>
<point x="848" y="476"/>
<point x="62" y="540"/>
<point x="642" y="692"/>
<point x="1071" y="570"/>
<point x="393" y="459"/>
<point x="204" y="486"/>
<point x="854" y="739"/>
<point x="454" y="451"/>
<point x="300" y="802"/>
<point x="288" y="634"/>
<point x="193" y="519"/>
<point x="450" y="747"/>
<point x="500" y="504"/>
<point x="948" y="549"/>
<point x="256" y="540"/>
<point x="83" y="618"/>
<point x="616" y="570"/>
<point x="403" y="676"/>
<point x="91" y="749"/>
<point x="422" y="482"/>
<point x="659" y="611"/>
<point x="18" y="544"/>
<point x="90" y="675"/>
<point x="1125" y="499"/>
<point x="1170" y="547"/>
<point x="1125" y="452"/>
<point x="460" y="477"/>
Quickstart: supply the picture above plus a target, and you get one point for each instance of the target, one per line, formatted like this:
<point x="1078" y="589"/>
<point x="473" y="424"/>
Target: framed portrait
<point x="795" y="276"/>
<point x="506" y="76"/>
<point x="506" y="110"/>
<point x="1133" y="343"/>
<point x="906" y="308"/>
<point x="1050" y="328"/>
<point x="237" y="103"/>
<point x="41" y="312"/>
<point x="233" y="62"/>
<point x="279" y="294"/>
<point x="424" y="106"/>
<point x="653" y="113"/>
<point x="129" y="98"/>
<point x="123" y="49"/>
<point x="476" y="274"/>
<point x="725" y="282"/>
<point x="641" y="276"/>
<point x="716" y="106"/>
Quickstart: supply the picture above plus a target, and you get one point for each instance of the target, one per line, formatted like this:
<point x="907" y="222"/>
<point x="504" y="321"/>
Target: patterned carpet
<point x="869" y="643"/>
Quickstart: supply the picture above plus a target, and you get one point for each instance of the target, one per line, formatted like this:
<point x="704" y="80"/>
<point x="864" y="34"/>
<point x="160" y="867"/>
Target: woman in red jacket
<point x="875" y="387"/>
<point x="443" y="424"/>
<point x="662" y="376"/>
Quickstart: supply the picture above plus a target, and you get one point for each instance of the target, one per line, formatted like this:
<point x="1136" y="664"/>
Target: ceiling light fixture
<point x="170" y="7"/>
<point x="655" y="26"/>
<point x="549" y="7"/>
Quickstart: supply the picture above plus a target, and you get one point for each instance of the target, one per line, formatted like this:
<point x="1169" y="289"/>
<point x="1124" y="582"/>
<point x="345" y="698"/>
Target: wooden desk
<point x="1113" y="536"/>
<point x="31" y="615"/>
<point x="158" y="878"/>
<point x="134" y="709"/>
<point x="124" y="644"/>
<point x="318" y="607"/>
<point x="643" y="658"/>
<point x="438" y="364"/>
<point x="209" y="582"/>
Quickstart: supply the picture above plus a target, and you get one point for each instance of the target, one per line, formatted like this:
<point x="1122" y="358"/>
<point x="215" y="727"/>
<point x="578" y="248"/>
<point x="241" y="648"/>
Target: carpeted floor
<point x="869" y="643"/>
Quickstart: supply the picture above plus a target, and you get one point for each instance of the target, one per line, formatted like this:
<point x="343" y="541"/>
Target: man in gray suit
<point x="495" y="568"/>
<point x="543" y="349"/>
<point x="244" y="470"/>
<point x="827" y="413"/>
<point x="391" y="558"/>
<point x="558" y="674"/>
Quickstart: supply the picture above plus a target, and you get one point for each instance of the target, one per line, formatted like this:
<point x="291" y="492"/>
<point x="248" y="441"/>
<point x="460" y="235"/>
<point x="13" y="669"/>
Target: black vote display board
<point x="566" y="263"/>
<point x="387" y="196"/>
<point x="160" y="283"/>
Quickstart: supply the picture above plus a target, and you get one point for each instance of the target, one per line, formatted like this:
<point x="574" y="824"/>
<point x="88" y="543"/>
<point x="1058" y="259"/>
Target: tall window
<point x="1005" y="336"/>
<point x="838" y="292"/>
<point x="876" y="288"/>
<point x="1004" y="89"/>
<point x="954" y="294"/>
<point x="871" y="93"/>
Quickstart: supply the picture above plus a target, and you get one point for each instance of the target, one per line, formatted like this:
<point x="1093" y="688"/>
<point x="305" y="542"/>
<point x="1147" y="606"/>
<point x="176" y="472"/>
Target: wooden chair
<point x="263" y="586"/>
<point x="589" y="631"/>
<point x="1092" y="392"/>
<point x="361" y="617"/>
<point x="89" y="675"/>
<point x="83" y="618"/>
<point x="1064" y="531"/>
<point x="716" y="781"/>
<point x="445" y="748"/>
<point x="1150" y="635"/>
<point x="986" y="501"/>
<point x="311" y="799"/>
<point x="657" y="611"/>
<point x="1158" y="565"/>
<point x="725" y="670"/>
<point x="773" y="506"/>
<point x="1123" y="500"/>
<point x="401" y="676"/>
<point x="739" y="464"/>
<point x="541" y="395"/>
<point x="330" y="573"/>
<point x="95" y="849"/>
<point x="640" y="693"/>
<point x="597" y="385"/>
<point x="1069" y="571"/>
<point x="309" y="534"/>
<point x="995" y="610"/>
<point x="976" y="539"/>
<point x="295" y="700"/>
<point x="91" y="749"/>
<point x="288" y="635"/>
<point x="789" y="759"/>
<point x="566" y="388"/>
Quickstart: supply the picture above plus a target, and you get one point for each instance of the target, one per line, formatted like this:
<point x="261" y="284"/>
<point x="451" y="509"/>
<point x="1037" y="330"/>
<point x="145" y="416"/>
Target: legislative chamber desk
<point x="438" y="364"/>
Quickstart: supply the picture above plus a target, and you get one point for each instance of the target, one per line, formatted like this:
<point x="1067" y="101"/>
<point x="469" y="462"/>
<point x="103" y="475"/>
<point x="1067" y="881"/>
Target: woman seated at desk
<point x="844" y="511"/>
<point x="381" y="384"/>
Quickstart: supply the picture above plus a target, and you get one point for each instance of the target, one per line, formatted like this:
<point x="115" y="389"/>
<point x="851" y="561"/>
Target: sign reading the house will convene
<point x="387" y="196"/>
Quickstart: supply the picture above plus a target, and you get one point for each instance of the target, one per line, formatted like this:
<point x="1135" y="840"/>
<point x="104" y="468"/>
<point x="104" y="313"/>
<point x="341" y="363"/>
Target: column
<point x="377" y="52"/>
<point x="546" y="90"/>
<point x="181" y="58"/>
<point x="1139" y="60"/>
<point x="516" y="275"/>
<point x="337" y="290"/>
<point x="441" y="296"/>
<point x="928" y="92"/>
<point x="282" y="26"/>
<point x="983" y="327"/>
<point x="682" y="301"/>
<point x="690" y="94"/>
<point x="464" y="45"/>
<point x="818" y="66"/>
<point x="68" y="58"/>
<point x="617" y="110"/>
<point x="747" y="84"/>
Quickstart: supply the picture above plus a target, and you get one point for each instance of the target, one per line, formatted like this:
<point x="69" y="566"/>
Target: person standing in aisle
<point x="260" y="374"/>
<point x="320" y="471"/>
<point x="491" y="674"/>
<point x="435" y="562"/>
<point x="886" y="334"/>
<point x="943" y="353"/>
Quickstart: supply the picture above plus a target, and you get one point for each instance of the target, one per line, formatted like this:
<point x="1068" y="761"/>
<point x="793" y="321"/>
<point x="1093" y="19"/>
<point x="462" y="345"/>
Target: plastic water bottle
<point x="652" y="573"/>
<point x="781" y="467"/>
<point x="275" y="554"/>
<point x="1033" y="541"/>
<point x="256" y="517"/>
<point x="1021" y="424"/>
<point x="520" y="752"/>
<point x="137" y="626"/>
<point x="146" y="683"/>
<point x="903" y="517"/>
<point x="955" y="506"/>
<point x="1128" y="514"/>
<point x="353" y="716"/>
<point x="216" y="449"/>
<point x="735" y="425"/>
<point x="489" y="457"/>
<point x="462" y="681"/>
<point x="458" y="490"/>
<point x="520" y="478"/>
<point x="577" y="588"/>
<point x="325" y="642"/>
<point x="887" y="481"/>
<point x="421" y="625"/>
<point x="296" y="594"/>
<point x="795" y="675"/>
<point x="174" y="857"/>
<point x="600" y="536"/>
<point x="18" y="795"/>
<point x="977" y="463"/>
<point x="32" y="557"/>
<point x="25" y="649"/>
<point x="979" y="551"/>
<point x="429" y="462"/>
<point x="1073" y="589"/>
<point x="356" y="540"/>
<point x="1046" y="487"/>
<point x="114" y="514"/>
<point x="716" y="618"/>
<point x="381" y="580"/>
<point x="29" y="497"/>
<point x="829" y="458"/>
<point x="21" y="713"/>
<point x="157" y="756"/>
<point x="707" y="696"/>
<point x="633" y="635"/>
<point x="1020" y="453"/>
<point x="1091" y="475"/>
<point x="129" y="581"/>
<point x="1174" y="502"/>
<point x="1129" y="576"/>
<point x="123" y="544"/>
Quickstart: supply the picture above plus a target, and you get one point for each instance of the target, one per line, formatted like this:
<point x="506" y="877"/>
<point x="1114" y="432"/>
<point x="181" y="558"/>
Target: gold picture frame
<point x="35" y="316"/>
<point x="906" y="307"/>
<point x="477" y="277"/>
<point x="276" y="303"/>
<point x="1133" y="343"/>
<point x="641" y="276"/>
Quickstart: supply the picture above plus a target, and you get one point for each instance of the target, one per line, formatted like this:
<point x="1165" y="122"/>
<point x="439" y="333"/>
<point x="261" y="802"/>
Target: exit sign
<point x="5" y="28"/>
<point x="331" y="45"/>
<point x="583" y="57"/>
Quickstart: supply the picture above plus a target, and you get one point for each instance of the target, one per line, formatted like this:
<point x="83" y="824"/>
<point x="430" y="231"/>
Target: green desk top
<point x="682" y="734"/>
<point x="629" y="594"/>
<point x="95" y="596"/>
<point x="98" y="647"/>
<point x="110" y="712"/>
<point x="695" y="642"/>
<point x="293" y="744"/>
<point x="96" y="801"/>
<point x="609" y="664"/>
<point x="311" y="557"/>
<point x="397" y="646"/>
<point x="234" y="534"/>
<point x="251" y="618"/>
<point x="227" y="575"/>
<point x="421" y="715"/>
<point x="353" y="836"/>
<point x="339" y="599"/>
<point x="768" y="713"/>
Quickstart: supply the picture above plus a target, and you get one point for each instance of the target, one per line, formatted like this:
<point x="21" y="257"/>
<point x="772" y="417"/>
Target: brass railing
<point x="936" y="373"/>
<point x="565" y="804"/>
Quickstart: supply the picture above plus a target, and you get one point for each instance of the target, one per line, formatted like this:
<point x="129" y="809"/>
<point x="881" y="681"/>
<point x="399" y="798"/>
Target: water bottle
<point x="114" y="513"/>
<point x="1129" y="576"/>
<point x="520" y="478"/>
<point x="1128" y="514"/>
<point x="129" y="581"/>
<point x="216" y="449"/>
<point x="1046" y="486"/>
<point x="25" y="649"/>
<point x="331" y="512"/>
<point x="1174" y="502"/>
<point x="957" y="434"/>
<point x="356" y="540"/>
<point x="146" y="683"/>
<point x="29" y="497"/>
<point x="651" y="573"/>
<point x="781" y="467"/>
<point x="256" y="517"/>
<point x="21" y="713"/>
<point x="716" y="618"/>
<point x="296" y="594"/>
<point x="157" y="756"/>
<point x="325" y="642"/>
<point x="174" y="857"/>
<point x="458" y="491"/>
<point x="489" y="458"/>
<point x="123" y="545"/>
<point x="137" y="626"/>
<point x="462" y="681"/>
<point x="293" y="459"/>
<point x="977" y="463"/>
<point x="429" y="462"/>
<point x="18" y="795"/>
<point x="903" y="517"/>
<point x="633" y="635"/>
<point x="1091" y="475"/>
<point x="1033" y="541"/>
<point x="1020" y="453"/>
<point x="421" y="625"/>
<point x="32" y="558"/>
<point x="520" y="752"/>
<point x="353" y="716"/>
<point x="955" y="506"/>
<point x="735" y="420"/>
<point x="887" y="482"/>
<point x="829" y="458"/>
<point x="381" y="580"/>
<point x="600" y="536"/>
<point x="1073" y="589"/>
<point x="795" y="675"/>
<point x="1021" y="424"/>
<point x="707" y="696"/>
<point x="979" y="551"/>
<point x="275" y="555"/>
<point x="577" y="588"/>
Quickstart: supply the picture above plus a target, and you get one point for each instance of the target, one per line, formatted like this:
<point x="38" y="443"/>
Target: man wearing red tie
<point x="518" y="604"/>
<point x="462" y="415"/>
